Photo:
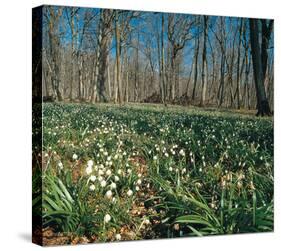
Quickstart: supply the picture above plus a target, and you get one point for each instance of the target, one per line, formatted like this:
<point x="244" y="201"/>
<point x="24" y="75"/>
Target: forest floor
<point x="146" y="171"/>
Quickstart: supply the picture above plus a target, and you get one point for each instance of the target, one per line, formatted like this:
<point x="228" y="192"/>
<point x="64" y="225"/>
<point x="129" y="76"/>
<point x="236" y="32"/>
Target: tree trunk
<point x="204" y="63"/>
<point x="118" y="55"/>
<point x="262" y="102"/>
<point x="195" y="67"/>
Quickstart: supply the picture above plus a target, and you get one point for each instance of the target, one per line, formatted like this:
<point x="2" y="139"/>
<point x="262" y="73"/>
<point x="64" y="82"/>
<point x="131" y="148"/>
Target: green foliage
<point x="210" y="173"/>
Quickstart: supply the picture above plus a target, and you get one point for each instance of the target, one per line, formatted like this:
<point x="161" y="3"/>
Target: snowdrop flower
<point x="101" y="172"/>
<point x="113" y="185"/>
<point x="60" y="165"/>
<point x="139" y="181"/>
<point x="107" y="218"/>
<point x="130" y="193"/>
<point x="146" y="221"/>
<point x="90" y="163"/>
<point x="75" y="156"/>
<point x="116" y="178"/>
<point x="92" y="187"/>
<point x="103" y="183"/>
<point x="108" y="194"/>
<point x="89" y="170"/>
<point x="129" y="171"/>
<point x="154" y="157"/>
<point x="119" y="171"/>
<point x="182" y="153"/>
<point x="137" y="188"/>
<point x="166" y="154"/>
<point x="93" y="178"/>
<point x="170" y="169"/>
<point x="108" y="172"/>
<point x="118" y="237"/>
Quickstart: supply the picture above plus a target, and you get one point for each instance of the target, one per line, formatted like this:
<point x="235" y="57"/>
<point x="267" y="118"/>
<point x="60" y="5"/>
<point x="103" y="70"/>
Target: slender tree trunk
<point x="238" y="66"/>
<point x="163" y="85"/>
<point x="108" y="78"/>
<point x="204" y="63"/>
<point x="118" y="55"/>
<point x="196" y="52"/>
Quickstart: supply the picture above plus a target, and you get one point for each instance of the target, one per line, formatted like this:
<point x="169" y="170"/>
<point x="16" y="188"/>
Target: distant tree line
<point x="103" y="55"/>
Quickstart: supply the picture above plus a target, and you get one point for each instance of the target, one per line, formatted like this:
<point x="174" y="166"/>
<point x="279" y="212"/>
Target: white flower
<point x="107" y="218"/>
<point x="182" y="153"/>
<point x="139" y="181"/>
<point x="146" y="221"/>
<point x="113" y="185"/>
<point x="130" y="193"/>
<point x="100" y="178"/>
<point x="137" y="188"/>
<point x="89" y="170"/>
<point x="60" y="165"/>
<point x="75" y="156"/>
<point x="92" y="187"/>
<point x="103" y="183"/>
<point x="154" y="157"/>
<point x="90" y="163"/>
<point x="93" y="178"/>
<point x="108" y="172"/>
<point x="170" y="169"/>
<point x="166" y="154"/>
<point x="108" y="194"/>
<point x="129" y="171"/>
<point x="101" y="172"/>
<point x="118" y="237"/>
<point x="116" y="178"/>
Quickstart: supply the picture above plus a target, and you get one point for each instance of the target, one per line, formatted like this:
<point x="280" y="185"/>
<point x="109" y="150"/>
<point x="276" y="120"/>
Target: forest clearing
<point x="150" y="125"/>
<point x="115" y="173"/>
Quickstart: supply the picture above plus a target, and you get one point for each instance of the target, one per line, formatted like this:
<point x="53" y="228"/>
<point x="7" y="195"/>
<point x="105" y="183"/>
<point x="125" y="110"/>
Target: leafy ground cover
<point x="145" y="171"/>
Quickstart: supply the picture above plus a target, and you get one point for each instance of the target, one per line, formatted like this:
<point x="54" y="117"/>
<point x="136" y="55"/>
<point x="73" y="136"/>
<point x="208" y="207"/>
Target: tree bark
<point x="262" y="102"/>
